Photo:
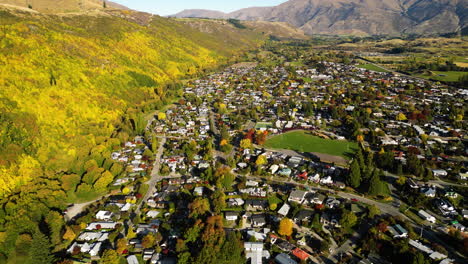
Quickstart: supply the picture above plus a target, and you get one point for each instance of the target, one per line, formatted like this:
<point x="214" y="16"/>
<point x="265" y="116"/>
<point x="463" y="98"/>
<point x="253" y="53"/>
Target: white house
<point x="424" y="215"/>
<point x="101" y="225"/>
<point x="439" y="173"/>
<point x="198" y="191"/>
<point x="104" y="215"/>
<point x="284" y="210"/>
<point x="253" y="251"/>
<point x="231" y="216"/>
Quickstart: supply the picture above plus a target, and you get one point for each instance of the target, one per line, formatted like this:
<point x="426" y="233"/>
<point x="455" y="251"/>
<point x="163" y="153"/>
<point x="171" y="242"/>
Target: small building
<point x="284" y="210"/>
<point x="132" y="259"/>
<point x="231" y="216"/>
<point x="198" y="191"/>
<point x="284" y="259"/>
<point x="258" y="220"/>
<point x="439" y="173"/>
<point x="297" y="196"/>
<point x="300" y="254"/>
<point x="398" y="231"/>
<point x="104" y="215"/>
<point x="424" y="215"/>
<point x="253" y="251"/>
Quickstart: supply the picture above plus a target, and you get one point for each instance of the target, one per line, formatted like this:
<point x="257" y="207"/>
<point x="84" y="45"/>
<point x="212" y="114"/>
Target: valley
<point x="127" y="137"/>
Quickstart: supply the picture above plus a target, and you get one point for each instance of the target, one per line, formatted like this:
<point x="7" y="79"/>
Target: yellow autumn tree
<point x="401" y="117"/>
<point x="246" y="143"/>
<point x="162" y="116"/>
<point x="69" y="234"/>
<point x="285" y="227"/>
<point x="261" y="160"/>
<point x="105" y="179"/>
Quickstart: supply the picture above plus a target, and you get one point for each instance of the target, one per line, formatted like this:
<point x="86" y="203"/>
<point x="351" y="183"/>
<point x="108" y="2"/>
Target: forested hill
<point x="69" y="83"/>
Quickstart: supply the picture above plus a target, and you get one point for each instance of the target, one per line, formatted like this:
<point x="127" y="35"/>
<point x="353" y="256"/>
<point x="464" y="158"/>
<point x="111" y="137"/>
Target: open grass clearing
<point x="303" y="141"/>
<point x="371" y="67"/>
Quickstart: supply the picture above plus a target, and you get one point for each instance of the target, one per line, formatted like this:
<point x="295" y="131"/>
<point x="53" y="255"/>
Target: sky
<point x="171" y="7"/>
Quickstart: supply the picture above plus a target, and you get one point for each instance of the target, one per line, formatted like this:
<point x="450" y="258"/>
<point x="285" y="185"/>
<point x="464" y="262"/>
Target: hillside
<point x="360" y="16"/>
<point x="68" y="81"/>
<point x="56" y="6"/>
<point x="217" y="26"/>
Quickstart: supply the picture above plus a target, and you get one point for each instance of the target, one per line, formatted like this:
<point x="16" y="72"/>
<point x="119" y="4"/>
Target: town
<point x="318" y="162"/>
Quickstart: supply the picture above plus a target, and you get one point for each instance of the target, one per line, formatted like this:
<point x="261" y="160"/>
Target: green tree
<point x="40" y="251"/>
<point x="373" y="211"/>
<point x="109" y="257"/>
<point x="55" y="222"/>
<point x="354" y="178"/>
<point x="377" y="187"/>
<point x="348" y="219"/>
<point x="184" y="258"/>
<point x="218" y="201"/>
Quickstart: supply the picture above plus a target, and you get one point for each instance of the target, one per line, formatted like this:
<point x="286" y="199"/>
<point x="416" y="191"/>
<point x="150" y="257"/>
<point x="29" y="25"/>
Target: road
<point x="77" y="209"/>
<point x="155" y="176"/>
<point x="433" y="182"/>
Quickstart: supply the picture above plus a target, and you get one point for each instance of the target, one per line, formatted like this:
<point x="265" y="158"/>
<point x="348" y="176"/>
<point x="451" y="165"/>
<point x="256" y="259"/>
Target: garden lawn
<point x="302" y="141"/>
<point x="371" y="67"/>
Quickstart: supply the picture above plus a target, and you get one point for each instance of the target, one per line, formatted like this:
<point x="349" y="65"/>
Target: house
<point x="332" y="202"/>
<point x="148" y="254"/>
<point x="284" y="259"/>
<point x="152" y="213"/>
<point x="235" y="202"/>
<point x="104" y="215"/>
<point x="274" y="168"/>
<point x="429" y="191"/>
<point x="297" y="196"/>
<point x="144" y="229"/>
<point x="462" y="176"/>
<point x="439" y="173"/>
<point x="284" y="210"/>
<point x="303" y="215"/>
<point x="258" y="220"/>
<point x="286" y="172"/>
<point x="231" y="216"/>
<point x="91" y="236"/>
<point x="328" y="219"/>
<point x="424" y="215"/>
<point x="101" y="225"/>
<point x="253" y="251"/>
<point x="465" y="213"/>
<point x="300" y="254"/>
<point x="398" y="231"/>
<point x="317" y="198"/>
<point x="132" y="259"/>
<point x="95" y="249"/>
<point x="253" y="205"/>
<point x="198" y="191"/>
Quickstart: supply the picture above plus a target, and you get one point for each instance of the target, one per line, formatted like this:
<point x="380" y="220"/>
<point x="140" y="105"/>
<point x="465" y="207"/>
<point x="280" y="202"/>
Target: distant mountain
<point x="56" y="6"/>
<point x="358" y="16"/>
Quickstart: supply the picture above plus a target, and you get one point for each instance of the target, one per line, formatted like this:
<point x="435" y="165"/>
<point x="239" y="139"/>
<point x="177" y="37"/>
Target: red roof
<point x="301" y="254"/>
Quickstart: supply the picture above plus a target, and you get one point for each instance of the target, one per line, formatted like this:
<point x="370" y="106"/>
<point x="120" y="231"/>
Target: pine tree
<point x="354" y="178"/>
<point x="378" y="187"/>
<point x="39" y="252"/>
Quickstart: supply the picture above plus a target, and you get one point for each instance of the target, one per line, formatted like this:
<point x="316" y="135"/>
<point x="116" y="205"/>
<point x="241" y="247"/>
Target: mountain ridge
<point x="370" y="17"/>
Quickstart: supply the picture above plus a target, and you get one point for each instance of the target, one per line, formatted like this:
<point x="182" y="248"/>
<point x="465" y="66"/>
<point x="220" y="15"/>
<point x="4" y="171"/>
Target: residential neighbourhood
<point x="233" y="154"/>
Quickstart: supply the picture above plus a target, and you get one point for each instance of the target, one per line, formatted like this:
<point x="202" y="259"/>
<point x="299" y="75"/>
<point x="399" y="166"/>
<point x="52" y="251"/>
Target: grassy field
<point x="450" y="76"/>
<point x="304" y="142"/>
<point x="371" y="67"/>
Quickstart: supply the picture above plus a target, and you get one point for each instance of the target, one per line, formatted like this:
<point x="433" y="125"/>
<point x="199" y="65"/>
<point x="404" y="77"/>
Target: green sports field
<point x="371" y="67"/>
<point x="302" y="141"/>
